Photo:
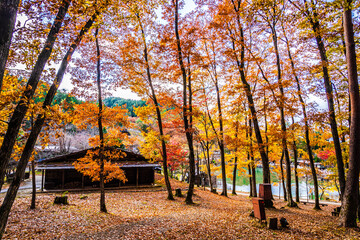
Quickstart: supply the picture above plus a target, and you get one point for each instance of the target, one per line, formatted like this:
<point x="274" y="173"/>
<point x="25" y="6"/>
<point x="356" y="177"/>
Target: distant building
<point x="58" y="173"/>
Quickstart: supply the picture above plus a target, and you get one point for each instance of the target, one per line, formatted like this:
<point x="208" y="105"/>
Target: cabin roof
<point x="65" y="161"/>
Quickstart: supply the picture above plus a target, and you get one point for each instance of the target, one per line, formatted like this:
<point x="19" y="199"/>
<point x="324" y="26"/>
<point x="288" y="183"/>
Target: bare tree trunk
<point x="101" y="131"/>
<point x="235" y="161"/>
<point x="22" y="107"/>
<point x="251" y="194"/>
<point x="282" y="176"/>
<point x="350" y="199"/>
<point x="8" y="12"/>
<point x="187" y="110"/>
<point x="252" y="163"/>
<point x="253" y="178"/>
<point x="33" y="180"/>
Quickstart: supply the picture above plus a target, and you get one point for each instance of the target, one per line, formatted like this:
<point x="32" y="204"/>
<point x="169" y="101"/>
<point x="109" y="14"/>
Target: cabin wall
<point x="57" y="179"/>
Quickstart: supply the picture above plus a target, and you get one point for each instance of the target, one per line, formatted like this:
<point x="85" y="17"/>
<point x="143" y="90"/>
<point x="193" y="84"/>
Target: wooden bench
<point x="322" y="204"/>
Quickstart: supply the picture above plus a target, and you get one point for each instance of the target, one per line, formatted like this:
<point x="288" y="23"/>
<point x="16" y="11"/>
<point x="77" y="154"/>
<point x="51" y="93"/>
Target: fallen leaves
<point x="148" y="215"/>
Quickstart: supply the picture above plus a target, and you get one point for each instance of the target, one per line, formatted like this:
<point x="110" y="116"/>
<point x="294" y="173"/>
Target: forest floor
<point x="146" y="214"/>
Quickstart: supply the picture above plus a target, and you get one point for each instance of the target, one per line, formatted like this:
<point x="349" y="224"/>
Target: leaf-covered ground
<point x="148" y="215"/>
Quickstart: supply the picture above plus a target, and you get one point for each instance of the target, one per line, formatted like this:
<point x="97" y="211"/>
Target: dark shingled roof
<point x="65" y="161"/>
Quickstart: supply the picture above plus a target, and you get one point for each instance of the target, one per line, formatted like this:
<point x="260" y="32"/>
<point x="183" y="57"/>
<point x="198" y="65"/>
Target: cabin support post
<point x="137" y="177"/>
<point x="63" y="179"/>
<point x="42" y="180"/>
<point x="82" y="180"/>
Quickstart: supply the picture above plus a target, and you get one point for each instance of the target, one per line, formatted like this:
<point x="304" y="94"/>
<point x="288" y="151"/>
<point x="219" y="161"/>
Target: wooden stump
<point x="178" y="192"/>
<point x="61" y="200"/>
<point x="272" y="223"/>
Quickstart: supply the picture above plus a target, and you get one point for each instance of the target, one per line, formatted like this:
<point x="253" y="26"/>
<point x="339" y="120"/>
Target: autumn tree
<point x="22" y="107"/>
<point x="350" y="198"/>
<point x="310" y="10"/>
<point x="8" y="12"/>
<point x="26" y="154"/>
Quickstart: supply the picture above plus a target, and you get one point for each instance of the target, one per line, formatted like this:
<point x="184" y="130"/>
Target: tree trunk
<point x="8" y="12"/>
<point x="282" y="176"/>
<point x="250" y="178"/>
<point x="101" y="131"/>
<point x="280" y="104"/>
<point x="221" y="140"/>
<point x="350" y="198"/>
<point x="251" y="104"/>
<point x="297" y="195"/>
<point x="158" y="113"/>
<point x="315" y="24"/>
<point x="33" y="180"/>
<point x="235" y="161"/>
<point x="22" y="107"/>
<point x="36" y="129"/>
<point x="252" y="162"/>
<point x="307" y="128"/>
<point x="253" y="178"/>
<point x="187" y="110"/>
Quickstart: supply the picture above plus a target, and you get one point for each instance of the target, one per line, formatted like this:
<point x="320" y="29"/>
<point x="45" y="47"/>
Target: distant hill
<point x="130" y="103"/>
<point x="109" y="102"/>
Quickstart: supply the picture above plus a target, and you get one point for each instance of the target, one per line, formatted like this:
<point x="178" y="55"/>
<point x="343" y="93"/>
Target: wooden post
<point x="42" y="180"/>
<point x="63" y="179"/>
<point x="137" y="177"/>
<point x="82" y="181"/>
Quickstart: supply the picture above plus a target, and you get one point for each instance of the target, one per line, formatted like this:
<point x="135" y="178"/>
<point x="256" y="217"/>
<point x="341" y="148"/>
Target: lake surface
<point x="305" y="187"/>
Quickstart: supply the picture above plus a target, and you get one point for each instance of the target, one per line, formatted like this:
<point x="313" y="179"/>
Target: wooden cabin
<point x="58" y="173"/>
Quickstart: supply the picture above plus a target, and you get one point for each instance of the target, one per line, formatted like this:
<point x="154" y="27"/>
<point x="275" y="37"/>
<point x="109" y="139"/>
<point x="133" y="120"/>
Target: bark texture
<point x="348" y="212"/>
<point x="187" y="108"/>
<point x="8" y="12"/>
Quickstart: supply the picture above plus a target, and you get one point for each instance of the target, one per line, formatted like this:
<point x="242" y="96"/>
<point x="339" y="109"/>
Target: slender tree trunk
<point x="252" y="163"/>
<point x="235" y="161"/>
<point x="250" y="178"/>
<point x="307" y="128"/>
<point x="22" y="107"/>
<point x="100" y="126"/>
<point x="8" y="12"/>
<point x="297" y="195"/>
<point x="33" y="180"/>
<point x="315" y="24"/>
<point x="221" y="141"/>
<point x="253" y="178"/>
<point x="291" y="203"/>
<point x="187" y="110"/>
<point x="350" y="198"/>
<point x="36" y="129"/>
<point x="240" y="64"/>
<point x="282" y="176"/>
<point x="158" y="113"/>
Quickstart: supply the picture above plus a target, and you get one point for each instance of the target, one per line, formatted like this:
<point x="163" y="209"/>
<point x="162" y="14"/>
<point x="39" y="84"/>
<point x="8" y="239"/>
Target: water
<point x="306" y="188"/>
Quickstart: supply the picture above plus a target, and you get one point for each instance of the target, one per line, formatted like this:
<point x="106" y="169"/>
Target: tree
<point x="35" y="131"/>
<point x="22" y="107"/>
<point x="350" y="198"/>
<point x="8" y="12"/>
<point x="310" y="11"/>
